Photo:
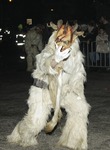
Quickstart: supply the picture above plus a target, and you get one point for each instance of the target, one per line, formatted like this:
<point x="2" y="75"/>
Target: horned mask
<point x="66" y="34"/>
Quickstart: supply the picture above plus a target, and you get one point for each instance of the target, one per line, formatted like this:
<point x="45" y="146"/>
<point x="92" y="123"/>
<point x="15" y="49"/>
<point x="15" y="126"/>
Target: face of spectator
<point x="101" y="31"/>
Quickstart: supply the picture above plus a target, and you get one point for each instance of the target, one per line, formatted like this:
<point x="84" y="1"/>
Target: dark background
<point x="17" y="11"/>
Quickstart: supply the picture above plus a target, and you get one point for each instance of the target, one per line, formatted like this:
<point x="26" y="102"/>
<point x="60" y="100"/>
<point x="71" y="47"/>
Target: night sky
<point x="17" y="11"/>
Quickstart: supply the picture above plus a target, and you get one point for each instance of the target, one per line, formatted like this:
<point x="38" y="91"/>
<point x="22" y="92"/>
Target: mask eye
<point x="58" y="39"/>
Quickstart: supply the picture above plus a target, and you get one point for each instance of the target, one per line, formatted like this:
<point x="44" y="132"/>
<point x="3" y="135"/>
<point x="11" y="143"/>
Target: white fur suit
<point x="72" y="99"/>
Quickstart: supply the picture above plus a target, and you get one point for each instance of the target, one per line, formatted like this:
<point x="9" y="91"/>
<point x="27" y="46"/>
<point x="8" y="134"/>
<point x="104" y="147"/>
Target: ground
<point x="14" y="87"/>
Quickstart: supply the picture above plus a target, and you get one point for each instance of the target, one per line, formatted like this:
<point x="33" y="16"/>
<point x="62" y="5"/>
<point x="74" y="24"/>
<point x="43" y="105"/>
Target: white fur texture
<point x="74" y="133"/>
<point x="34" y="121"/>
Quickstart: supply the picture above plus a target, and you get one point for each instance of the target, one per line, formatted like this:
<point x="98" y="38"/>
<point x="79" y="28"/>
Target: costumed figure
<point x="33" y="46"/>
<point x="58" y="83"/>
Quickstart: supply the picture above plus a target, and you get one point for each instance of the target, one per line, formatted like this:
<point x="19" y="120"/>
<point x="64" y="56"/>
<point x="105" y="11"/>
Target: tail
<point x="56" y="90"/>
<point x="54" y="121"/>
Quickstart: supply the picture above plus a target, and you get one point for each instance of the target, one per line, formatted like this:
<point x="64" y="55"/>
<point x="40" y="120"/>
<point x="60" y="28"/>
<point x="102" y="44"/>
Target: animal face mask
<point x="64" y="37"/>
<point x="66" y="34"/>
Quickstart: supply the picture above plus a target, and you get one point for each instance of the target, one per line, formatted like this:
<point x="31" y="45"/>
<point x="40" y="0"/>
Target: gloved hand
<point x="59" y="56"/>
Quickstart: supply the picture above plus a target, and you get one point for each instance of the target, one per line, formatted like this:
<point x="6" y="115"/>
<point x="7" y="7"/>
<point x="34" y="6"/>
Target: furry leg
<point x="75" y="131"/>
<point x="35" y="120"/>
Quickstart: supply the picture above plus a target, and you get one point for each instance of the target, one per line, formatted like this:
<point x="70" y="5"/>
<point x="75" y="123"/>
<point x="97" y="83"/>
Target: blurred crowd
<point x="32" y="39"/>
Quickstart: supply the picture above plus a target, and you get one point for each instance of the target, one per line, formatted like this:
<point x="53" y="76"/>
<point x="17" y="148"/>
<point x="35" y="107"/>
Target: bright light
<point x="22" y="57"/>
<point x="51" y="9"/>
<point x="7" y="32"/>
<point x="10" y="1"/>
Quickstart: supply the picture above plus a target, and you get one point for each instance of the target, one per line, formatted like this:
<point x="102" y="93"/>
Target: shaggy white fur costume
<point x="74" y="134"/>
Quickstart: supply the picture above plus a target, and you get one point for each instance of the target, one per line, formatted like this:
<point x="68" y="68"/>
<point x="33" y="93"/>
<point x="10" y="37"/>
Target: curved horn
<point x="59" y="23"/>
<point x="52" y="25"/>
<point x="67" y="24"/>
<point x="48" y="25"/>
<point x="80" y="33"/>
<point x="75" y="27"/>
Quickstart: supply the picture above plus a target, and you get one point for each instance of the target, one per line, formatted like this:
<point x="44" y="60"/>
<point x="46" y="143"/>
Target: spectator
<point x="102" y="46"/>
<point x="46" y="33"/>
<point x="106" y="25"/>
<point x="102" y="42"/>
<point x="92" y="31"/>
<point x="91" y="34"/>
